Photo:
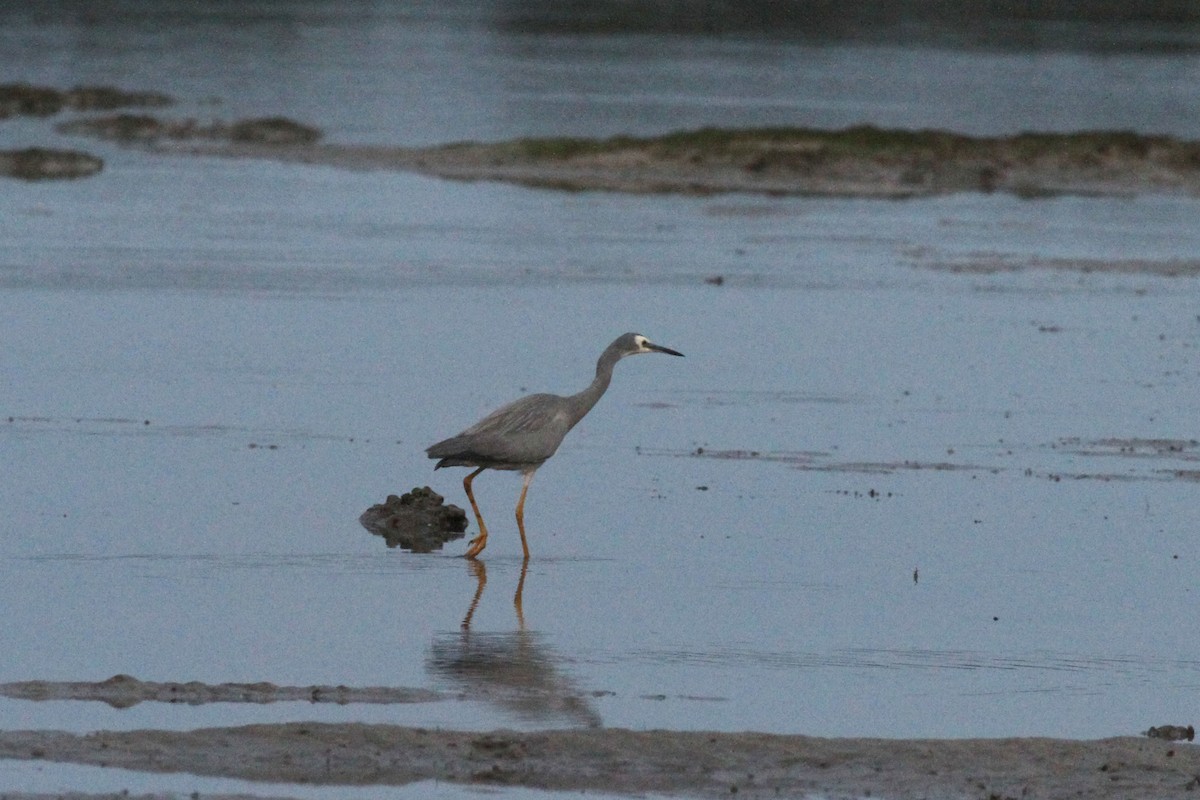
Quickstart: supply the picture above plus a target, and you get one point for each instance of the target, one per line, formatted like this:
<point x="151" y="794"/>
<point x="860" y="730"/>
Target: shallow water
<point x="877" y="497"/>
<point x="779" y="597"/>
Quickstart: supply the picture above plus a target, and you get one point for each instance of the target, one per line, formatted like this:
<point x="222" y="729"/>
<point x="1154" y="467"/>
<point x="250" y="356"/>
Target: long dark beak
<point x="660" y="349"/>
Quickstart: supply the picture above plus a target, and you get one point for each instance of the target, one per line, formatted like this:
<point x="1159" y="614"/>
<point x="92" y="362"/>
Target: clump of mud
<point x="39" y="163"/>
<point x="1173" y="733"/>
<point x="419" y="521"/>
<point x="148" y="129"/>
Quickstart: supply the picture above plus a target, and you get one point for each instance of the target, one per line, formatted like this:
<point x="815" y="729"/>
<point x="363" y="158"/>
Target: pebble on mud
<point x="419" y="521"/>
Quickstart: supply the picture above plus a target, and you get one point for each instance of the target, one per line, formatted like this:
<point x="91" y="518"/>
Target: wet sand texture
<point x="419" y="521"/>
<point x="671" y="762"/>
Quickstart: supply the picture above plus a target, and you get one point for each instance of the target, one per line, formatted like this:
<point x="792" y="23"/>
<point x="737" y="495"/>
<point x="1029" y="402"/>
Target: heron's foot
<point x="476" y="546"/>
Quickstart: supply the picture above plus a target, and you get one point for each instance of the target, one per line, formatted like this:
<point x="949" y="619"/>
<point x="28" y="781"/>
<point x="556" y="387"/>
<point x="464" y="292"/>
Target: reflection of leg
<point x="479" y="570"/>
<point x="521" y="513"/>
<point x="517" y="596"/>
<point x="479" y="542"/>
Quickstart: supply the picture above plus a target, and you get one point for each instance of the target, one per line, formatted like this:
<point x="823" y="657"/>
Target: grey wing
<point x="530" y="414"/>
<point x="526" y="431"/>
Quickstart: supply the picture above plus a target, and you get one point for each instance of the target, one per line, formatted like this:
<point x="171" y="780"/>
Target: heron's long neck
<point x="582" y="403"/>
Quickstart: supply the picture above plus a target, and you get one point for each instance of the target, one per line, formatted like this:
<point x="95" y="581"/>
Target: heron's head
<point x="632" y="344"/>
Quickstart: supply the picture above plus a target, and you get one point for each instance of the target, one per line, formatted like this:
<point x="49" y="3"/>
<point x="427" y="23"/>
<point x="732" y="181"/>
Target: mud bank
<point x="624" y="761"/>
<point x="147" y="129"/>
<point x="124" y="691"/>
<point x="862" y="161"/>
<point x="42" y="163"/>
<point x="23" y="99"/>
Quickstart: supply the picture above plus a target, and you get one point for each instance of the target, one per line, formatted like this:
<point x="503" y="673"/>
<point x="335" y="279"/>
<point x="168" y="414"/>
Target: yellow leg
<point x="521" y="512"/>
<point x="517" y="596"/>
<point x="479" y="570"/>
<point x="479" y="542"/>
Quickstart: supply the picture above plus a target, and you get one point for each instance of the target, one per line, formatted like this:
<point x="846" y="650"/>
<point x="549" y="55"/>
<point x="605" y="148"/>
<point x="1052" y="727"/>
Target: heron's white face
<point x="643" y="345"/>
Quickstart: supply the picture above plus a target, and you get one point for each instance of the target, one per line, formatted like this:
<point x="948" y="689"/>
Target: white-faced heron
<point x="523" y="434"/>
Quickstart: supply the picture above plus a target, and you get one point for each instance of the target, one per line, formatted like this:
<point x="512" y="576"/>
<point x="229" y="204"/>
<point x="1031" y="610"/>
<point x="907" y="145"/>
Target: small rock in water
<point x="273" y="130"/>
<point x="1172" y="733"/>
<point x="40" y="163"/>
<point x="419" y="521"/>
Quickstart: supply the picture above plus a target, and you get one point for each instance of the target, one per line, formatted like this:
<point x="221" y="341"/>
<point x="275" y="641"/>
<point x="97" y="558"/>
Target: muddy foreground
<point x="623" y="761"/>
<point x="686" y="763"/>
<point x="612" y="760"/>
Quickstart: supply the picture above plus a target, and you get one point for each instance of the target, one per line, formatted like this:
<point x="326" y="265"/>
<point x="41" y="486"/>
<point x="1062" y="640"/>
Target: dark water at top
<point x="419" y="73"/>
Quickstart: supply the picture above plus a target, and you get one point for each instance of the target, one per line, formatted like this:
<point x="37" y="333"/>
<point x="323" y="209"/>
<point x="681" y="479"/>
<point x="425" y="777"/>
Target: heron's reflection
<point x="514" y="670"/>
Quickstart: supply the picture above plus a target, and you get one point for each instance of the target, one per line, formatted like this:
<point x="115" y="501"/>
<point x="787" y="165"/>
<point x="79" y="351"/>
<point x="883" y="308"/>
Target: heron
<point x="522" y="435"/>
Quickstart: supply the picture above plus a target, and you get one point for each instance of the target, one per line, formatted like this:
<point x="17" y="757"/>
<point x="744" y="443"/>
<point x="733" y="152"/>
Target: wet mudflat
<point x="929" y="472"/>
<point x="913" y="546"/>
<point x="701" y="764"/>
